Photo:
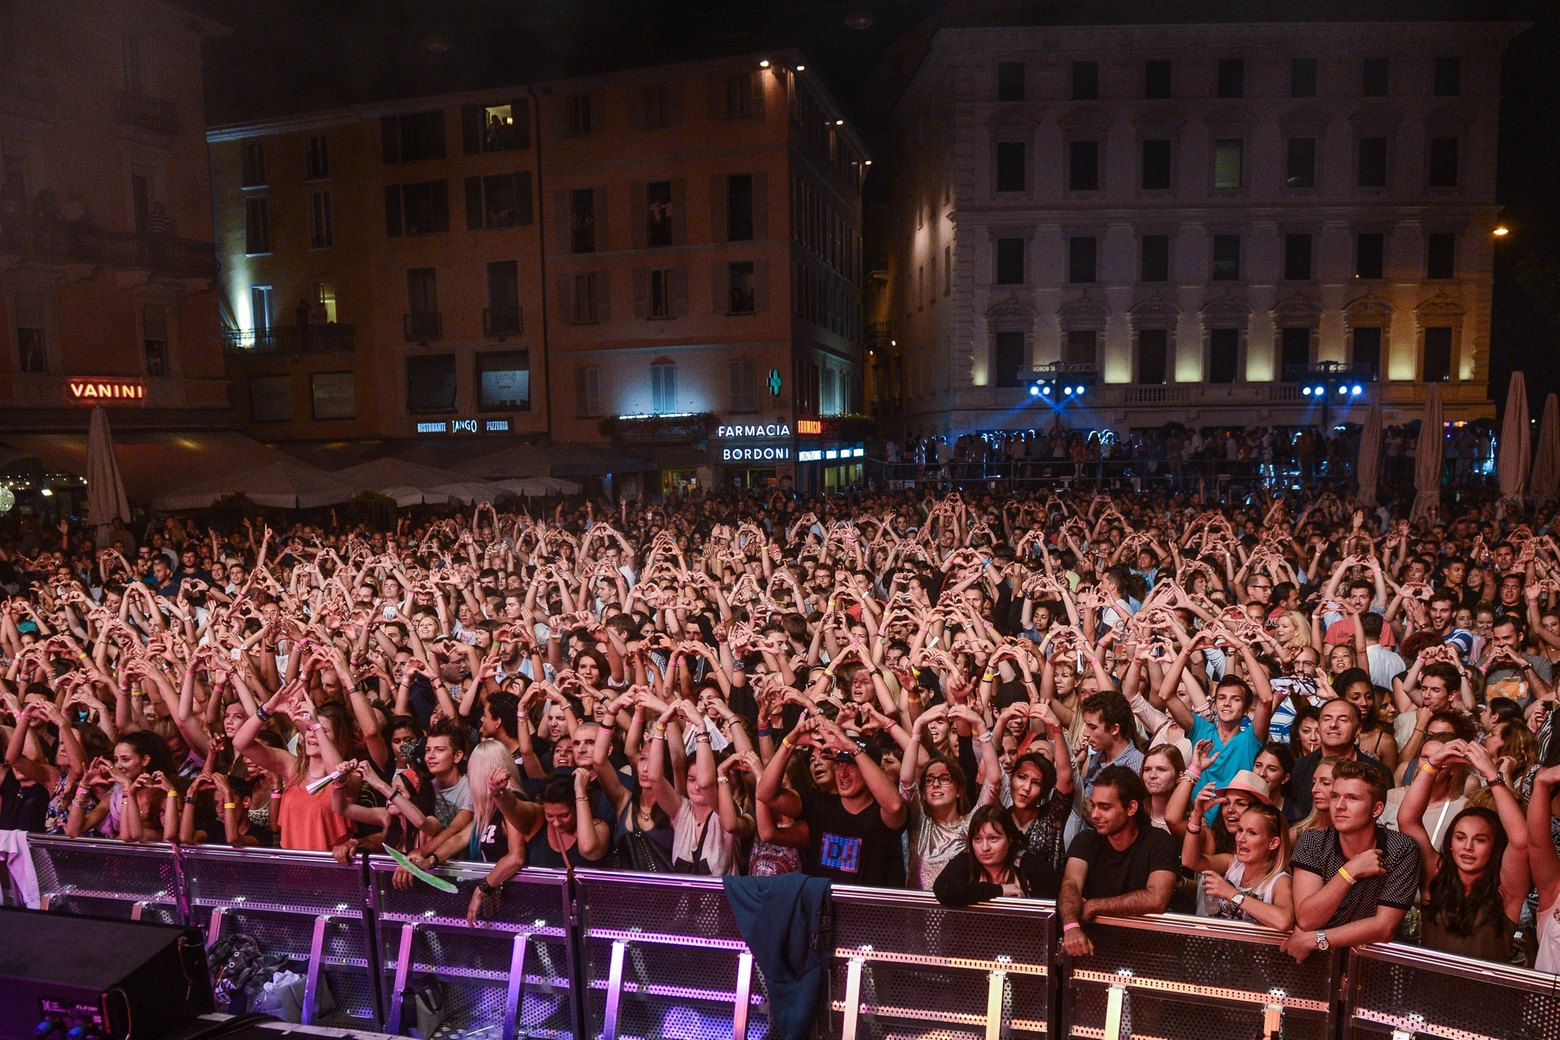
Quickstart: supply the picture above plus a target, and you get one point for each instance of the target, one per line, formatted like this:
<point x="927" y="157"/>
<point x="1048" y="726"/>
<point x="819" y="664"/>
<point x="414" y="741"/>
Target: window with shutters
<point x="1083" y="165"/>
<point x="1082" y="257"/>
<point x="497" y="201"/>
<point x="1226" y="258"/>
<point x="1448" y="76"/>
<point x="317" y="158"/>
<point x="744" y="385"/>
<point x="1371" y="171"/>
<point x="417" y="209"/>
<point x="262" y="309"/>
<point x="1438" y="354"/>
<point x="661" y="285"/>
<point x="663" y="387"/>
<point x="1154" y="258"/>
<point x="1297" y="257"/>
<point x="257" y="225"/>
<point x="657" y="105"/>
<point x="1085" y="80"/>
<point x="412" y="136"/>
<point x="254" y="164"/>
<point x="1441" y="255"/>
<point x="502" y="315"/>
<point x="738" y="96"/>
<point x="1443" y="162"/>
<point x="430" y="383"/>
<point x="1370" y="254"/>
<point x="1007" y="358"/>
<point x="582" y="220"/>
<point x="587" y="391"/>
<point x="1367" y="352"/>
<point x="1153" y="355"/>
<point x="579" y="117"/>
<point x="1373" y="77"/>
<point x="1223" y="355"/>
<point x="422" y="321"/>
<point x="504" y="381"/>
<point x="1156" y="79"/>
<point x="1230" y="81"/>
<point x="658" y="213"/>
<point x="1010" y="81"/>
<point x="322" y="229"/>
<point x="586" y="287"/>
<point x="1156" y="165"/>
<point x="1227" y="163"/>
<point x="739" y="207"/>
<point x="743" y="287"/>
<point x="1010" y="166"/>
<point x="1300" y="163"/>
<point x="1010" y="261"/>
<point x="1302" y="77"/>
<point x="1081" y="345"/>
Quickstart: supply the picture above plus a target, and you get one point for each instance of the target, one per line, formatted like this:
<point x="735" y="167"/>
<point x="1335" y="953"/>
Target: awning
<point x="153" y="463"/>
<point x="285" y="484"/>
<point x="554" y="460"/>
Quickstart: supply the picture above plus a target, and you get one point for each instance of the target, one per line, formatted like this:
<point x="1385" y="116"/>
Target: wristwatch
<point x="1239" y="898"/>
<point x="861" y="747"/>
<point x="1321" y="941"/>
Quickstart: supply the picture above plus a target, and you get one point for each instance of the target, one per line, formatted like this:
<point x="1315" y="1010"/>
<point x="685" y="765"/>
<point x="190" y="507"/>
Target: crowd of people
<point x="1326" y="719"/>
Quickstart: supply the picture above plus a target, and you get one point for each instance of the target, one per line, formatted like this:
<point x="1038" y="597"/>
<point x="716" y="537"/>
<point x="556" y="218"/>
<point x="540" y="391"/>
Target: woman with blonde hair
<point x="1291" y="629"/>
<point x="492" y="777"/>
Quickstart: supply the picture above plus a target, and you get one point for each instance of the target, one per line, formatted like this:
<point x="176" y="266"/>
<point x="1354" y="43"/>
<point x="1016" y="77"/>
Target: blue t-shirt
<point x="1240" y="753"/>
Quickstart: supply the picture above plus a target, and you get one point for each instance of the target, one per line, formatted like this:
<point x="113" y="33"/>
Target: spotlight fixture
<point x="801" y="68"/>
<point x="764" y="64"/>
<point x="1357" y="390"/>
<point x="1306" y="391"/>
<point x="1501" y="232"/>
<point x="1034" y="391"/>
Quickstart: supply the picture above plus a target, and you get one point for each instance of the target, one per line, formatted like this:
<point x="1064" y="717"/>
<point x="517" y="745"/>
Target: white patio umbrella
<point x="1516" y="447"/>
<point x="289" y="484"/>
<point x="1429" y="456"/>
<point x="539" y="487"/>
<point x="405" y="495"/>
<point x="1368" y="468"/>
<point x="470" y="491"/>
<point x="1545" y="480"/>
<point x="106" y="499"/>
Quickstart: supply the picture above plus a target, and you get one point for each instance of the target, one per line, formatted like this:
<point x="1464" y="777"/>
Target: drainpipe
<point x="541" y="256"/>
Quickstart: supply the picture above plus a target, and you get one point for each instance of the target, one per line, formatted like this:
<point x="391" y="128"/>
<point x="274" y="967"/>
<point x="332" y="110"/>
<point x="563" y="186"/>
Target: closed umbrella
<point x="1429" y="456"/>
<point x="1368" y="469"/>
<point x="1546" y="465"/>
<point x="106" y="499"/>
<point x="1516" y="446"/>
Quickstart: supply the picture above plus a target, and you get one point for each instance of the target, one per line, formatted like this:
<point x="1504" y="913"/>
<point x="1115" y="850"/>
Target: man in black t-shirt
<point x="1124" y="867"/>
<point x="854" y="834"/>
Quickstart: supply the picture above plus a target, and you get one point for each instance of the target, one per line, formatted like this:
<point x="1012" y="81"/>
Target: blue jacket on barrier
<point x="788" y="925"/>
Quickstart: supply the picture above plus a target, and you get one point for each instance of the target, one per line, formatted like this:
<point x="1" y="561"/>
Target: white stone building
<point x="1200" y="223"/>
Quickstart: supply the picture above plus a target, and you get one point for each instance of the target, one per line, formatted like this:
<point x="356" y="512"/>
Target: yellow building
<point x="667" y="258"/>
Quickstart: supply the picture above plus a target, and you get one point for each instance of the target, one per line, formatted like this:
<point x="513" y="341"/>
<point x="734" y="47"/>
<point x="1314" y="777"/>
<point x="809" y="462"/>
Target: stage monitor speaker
<point x="93" y="978"/>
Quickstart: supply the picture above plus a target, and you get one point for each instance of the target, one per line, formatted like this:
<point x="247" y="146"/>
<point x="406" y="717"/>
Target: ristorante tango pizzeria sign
<point x="104" y="390"/>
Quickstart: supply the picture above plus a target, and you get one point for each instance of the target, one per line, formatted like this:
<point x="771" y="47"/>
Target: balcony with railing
<point x="422" y="326"/>
<point x="146" y="113"/>
<point x="290" y="340"/>
<point x="44" y="238"/>
<point x="499" y="322"/>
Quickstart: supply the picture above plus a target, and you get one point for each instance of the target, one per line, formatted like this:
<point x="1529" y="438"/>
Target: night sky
<point x="288" y="56"/>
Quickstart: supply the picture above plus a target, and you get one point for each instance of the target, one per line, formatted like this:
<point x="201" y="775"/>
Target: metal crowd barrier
<point x="619" y="956"/>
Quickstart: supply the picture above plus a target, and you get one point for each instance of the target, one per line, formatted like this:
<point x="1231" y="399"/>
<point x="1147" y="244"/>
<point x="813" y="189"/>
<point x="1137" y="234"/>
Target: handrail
<point x="615" y="954"/>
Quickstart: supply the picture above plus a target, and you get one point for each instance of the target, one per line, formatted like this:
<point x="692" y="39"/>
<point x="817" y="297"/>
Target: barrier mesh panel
<point x="311" y="886"/>
<point x="82" y="880"/>
<point x="687" y="992"/>
<point x="469" y="967"/>
<point x="1430" y="1004"/>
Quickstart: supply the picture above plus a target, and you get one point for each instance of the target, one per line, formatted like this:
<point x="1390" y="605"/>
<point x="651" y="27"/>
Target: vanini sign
<point x="86" y="390"/>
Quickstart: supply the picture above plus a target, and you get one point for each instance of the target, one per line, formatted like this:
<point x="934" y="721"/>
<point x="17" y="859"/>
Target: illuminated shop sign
<point x="465" y="426"/>
<point x="754" y="430"/>
<point x="754" y="454"/>
<point x="87" y="390"/>
<point x="809" y="426"/>
<point x="819" y="455"/>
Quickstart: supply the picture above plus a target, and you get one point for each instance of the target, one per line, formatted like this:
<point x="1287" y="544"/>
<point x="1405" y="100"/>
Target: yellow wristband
<point x="1428" y="768"/>
<point x="987" y="677"/>
<point x="230" y="805"/>
<point x="785" y="742"/>
<point x="1343" y="872"/>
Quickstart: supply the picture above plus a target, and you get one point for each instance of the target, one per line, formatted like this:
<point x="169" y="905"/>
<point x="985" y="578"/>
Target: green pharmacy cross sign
<point x="774" y="382"/>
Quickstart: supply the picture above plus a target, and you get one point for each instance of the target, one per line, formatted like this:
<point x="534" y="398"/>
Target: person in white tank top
<point x="1544" y="862"/>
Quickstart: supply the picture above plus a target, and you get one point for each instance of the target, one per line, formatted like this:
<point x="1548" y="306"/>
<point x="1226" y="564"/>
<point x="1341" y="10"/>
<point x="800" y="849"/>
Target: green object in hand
<point x="419" y="873"/>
